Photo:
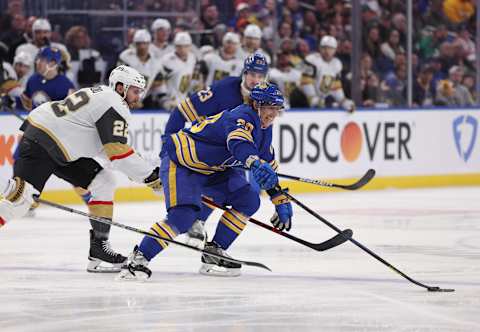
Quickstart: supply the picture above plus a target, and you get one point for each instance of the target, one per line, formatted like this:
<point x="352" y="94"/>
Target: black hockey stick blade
<point x="438" y="289"/>
<point x="140" y="231"/>
<point x="333" y="242"/>
<point x="360" y="183"/>
<point x="354" y="186"/>
<point x="337" y="240"/>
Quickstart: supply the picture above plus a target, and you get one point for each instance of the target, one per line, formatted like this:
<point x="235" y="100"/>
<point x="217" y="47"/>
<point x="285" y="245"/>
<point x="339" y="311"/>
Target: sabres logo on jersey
<point x="39" y="97"/>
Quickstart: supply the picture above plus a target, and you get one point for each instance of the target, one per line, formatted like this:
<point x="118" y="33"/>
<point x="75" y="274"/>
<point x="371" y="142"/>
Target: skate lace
<point x="108" y="249"/>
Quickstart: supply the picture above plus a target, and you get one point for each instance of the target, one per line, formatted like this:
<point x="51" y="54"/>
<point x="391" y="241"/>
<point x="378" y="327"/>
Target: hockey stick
<point x="368" y="251"/>
<point x="11" y="110"/>
<point x="328" y="244"/>
<point x="354" y="186"/>
<point x="155" y="236"/>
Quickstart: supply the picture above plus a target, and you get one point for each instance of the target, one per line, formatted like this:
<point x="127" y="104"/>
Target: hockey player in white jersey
<point x="252" y="39"/>
<point x="177" y="71"/>
<point x="321" y="77"/>
<point x="141" y="58"/>
<point x="161" y="30"/>
<point x="63" y="137"/>
<point x="224" y="63"/>
<point x="285" y="77"/>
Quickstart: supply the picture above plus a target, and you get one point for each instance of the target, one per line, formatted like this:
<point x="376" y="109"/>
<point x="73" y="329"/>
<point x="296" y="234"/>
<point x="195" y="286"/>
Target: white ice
<point x="432" y="235"/>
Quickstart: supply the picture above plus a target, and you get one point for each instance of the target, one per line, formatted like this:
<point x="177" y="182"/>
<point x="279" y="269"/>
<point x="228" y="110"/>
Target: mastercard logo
<point x="351" y="141"/>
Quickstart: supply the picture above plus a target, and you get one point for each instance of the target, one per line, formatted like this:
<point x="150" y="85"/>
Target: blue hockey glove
<point x="264" y="174"/>
<point x="282" y="218"/>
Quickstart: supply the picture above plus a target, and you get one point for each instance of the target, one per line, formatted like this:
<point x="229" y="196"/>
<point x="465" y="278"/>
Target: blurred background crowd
<point x="182" y="46"/>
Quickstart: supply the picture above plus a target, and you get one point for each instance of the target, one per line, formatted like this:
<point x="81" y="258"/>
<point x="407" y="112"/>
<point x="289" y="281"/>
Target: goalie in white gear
<point x="321" y="77"/>
<point x="63" y="137"/>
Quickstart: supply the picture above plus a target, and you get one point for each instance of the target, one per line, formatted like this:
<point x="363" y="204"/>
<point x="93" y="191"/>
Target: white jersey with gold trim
<point x="177" y="75"/>
<point x="90" y="123"/>
<point x="149" y="69"/>
<point x="327" y="75"/>
<point x="218" y="68"/>
<point x="159" y="52"/>
<point x="242" y="54"/>
<point x="286" y="81"/>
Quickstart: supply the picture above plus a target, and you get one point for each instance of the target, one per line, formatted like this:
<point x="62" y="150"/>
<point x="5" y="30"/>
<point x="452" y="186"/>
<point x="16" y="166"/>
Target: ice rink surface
<point x="432" y="235"/>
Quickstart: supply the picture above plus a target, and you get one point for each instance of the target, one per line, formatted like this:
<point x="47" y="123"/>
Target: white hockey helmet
<point x="128" y="76"/>
<point x="328" y="41"/>
<point x="252" y="31"/>
<point x="142" y="36"/>
<point x="161" y="23"/>
<point x="231" y="37"/>
<point x="182" y="38"/>
<point x="41" y="24"/>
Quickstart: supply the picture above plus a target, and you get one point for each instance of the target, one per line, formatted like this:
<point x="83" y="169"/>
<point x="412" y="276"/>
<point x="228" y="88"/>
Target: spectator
<point x="392" y="47"/>
<point x="241" y="17"/>
<point x="161" y="30"/>
<point x="141" y="58"/>
<point x="462" y="94"/>
<point x="14" y="35"/>
<point x="41" y="33"/>
<point x="210" y="20"/>
<point x="87" y="65"/>
<point x="422" y="92"/>
<point x="372" y="42"/>
<point x="22" y="64"/>
<point x="394" y="86"/>
<point x="47" y="83"/>
<point x="469" y="82"/>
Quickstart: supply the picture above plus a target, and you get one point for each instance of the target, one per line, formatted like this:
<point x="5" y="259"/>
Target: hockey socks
<point x="151" y="247"/>
<point x="179" y="220"/>
<point x="229" y="228"/>
<point x="102" y="209"/>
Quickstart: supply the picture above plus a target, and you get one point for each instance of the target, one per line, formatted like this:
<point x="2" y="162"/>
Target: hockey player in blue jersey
<point x="202" y="157"/>
<point x="223" y="95"/>
<point x="47" y="84"/>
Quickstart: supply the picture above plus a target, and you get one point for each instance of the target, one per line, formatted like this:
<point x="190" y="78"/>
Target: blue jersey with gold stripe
<point x="222" y="95"/>
<point x="220" y="141"/>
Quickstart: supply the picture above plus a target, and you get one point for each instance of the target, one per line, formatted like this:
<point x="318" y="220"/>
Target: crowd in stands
<point x="307" y="43"/>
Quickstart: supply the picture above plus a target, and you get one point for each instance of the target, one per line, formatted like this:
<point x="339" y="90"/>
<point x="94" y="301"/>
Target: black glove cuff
<point x="274" y="191"/>
<point x="152" y="177"/>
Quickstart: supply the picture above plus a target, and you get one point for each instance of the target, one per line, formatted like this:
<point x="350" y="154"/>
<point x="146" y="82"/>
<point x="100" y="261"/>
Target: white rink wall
<point x="407" y="148"/>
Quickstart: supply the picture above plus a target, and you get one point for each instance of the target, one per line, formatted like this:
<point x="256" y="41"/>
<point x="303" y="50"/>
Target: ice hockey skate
<point x="213" y="266"/>
<point x="196" y="236"/>
<point x="135" y="268"/>
<point x="103" y="259"/>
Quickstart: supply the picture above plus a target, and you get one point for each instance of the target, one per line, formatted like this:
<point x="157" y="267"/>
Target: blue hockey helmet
<point x="256" y="63"/>
<point x="50" y="54"/>
<point x="267" y="94"/>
